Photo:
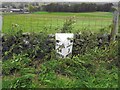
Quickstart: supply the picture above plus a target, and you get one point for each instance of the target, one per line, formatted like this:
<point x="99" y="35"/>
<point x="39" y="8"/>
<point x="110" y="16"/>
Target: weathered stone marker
<point x="64" y="44"/>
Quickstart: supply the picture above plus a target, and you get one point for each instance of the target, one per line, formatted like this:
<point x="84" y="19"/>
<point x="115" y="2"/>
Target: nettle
<point x="15" y="64"/>
<point x="24" y="81"/>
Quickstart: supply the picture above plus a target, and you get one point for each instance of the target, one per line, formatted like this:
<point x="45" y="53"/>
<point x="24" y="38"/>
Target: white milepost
<point x="64" y="44"/>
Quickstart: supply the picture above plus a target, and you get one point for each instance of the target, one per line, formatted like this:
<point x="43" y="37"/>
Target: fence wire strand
<point x="34" y="23"/>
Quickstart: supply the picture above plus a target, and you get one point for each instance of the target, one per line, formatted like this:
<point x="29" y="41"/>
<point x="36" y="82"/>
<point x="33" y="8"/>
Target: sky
<point x="59" y="0"/>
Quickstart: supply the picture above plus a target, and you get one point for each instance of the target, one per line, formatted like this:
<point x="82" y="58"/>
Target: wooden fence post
<point x="119" y="16"/>
<point x="114" y="30"/>
<point x="0" y="27"/>
<point x="0" y="46"/>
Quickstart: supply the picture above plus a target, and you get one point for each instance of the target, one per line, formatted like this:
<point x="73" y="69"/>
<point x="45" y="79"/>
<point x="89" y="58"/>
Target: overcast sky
<point x="59" y="0"/>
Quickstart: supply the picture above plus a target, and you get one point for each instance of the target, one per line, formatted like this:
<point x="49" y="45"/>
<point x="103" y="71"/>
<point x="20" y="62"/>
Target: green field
<point x="29" y="61"/>
<point x="37" y="21"/>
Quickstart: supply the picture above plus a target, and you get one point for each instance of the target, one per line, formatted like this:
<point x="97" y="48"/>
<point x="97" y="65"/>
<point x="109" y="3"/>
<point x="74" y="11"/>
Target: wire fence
<point x="52" y="23"/>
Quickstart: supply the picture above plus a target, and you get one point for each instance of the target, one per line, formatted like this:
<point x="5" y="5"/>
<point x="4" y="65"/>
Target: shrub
<point x="68" y="25"/>
<point x="38" y="46"/>
<point x="35" y="45"/>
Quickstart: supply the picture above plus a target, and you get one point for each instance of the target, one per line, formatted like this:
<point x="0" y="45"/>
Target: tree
<point x="30" y="8"/>
<point x="107" y="7"/>
<point x="21" y="6"/>
<point x="104" y="7"/>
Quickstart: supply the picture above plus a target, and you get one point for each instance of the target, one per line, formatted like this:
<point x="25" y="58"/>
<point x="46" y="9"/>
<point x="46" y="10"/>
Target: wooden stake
<point x="119" y="16"/>
<point x="114" y="30"/>
<point x="0" y="47"/>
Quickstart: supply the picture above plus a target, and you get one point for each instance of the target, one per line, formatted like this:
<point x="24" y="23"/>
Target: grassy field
<point x="30" y="65"/>
<point x="37" y="21"/>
